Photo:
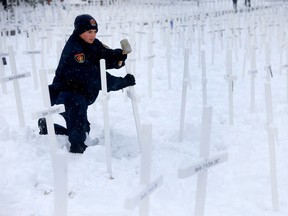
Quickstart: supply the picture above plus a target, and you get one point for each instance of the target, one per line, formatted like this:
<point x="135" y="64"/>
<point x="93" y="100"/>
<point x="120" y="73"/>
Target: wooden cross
<point x="146" y="188"/>
<point x="201" y="168"/>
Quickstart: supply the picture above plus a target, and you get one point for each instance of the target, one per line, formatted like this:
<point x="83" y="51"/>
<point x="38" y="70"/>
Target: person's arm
<point x="111" y="56"/>
<point x="116" y="83"/>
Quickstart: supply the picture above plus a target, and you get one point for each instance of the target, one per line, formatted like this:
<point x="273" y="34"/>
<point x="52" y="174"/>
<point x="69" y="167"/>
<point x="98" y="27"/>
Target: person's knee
<point x="76" y="108"/>
<point x="78" y="101"/>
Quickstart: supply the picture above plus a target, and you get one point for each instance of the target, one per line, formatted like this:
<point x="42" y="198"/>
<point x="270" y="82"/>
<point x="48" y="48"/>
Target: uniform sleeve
<point x="112" y="56"/>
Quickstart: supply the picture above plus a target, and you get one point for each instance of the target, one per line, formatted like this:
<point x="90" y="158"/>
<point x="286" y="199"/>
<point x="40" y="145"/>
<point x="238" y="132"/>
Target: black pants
<point x="76" y="106"/>
<point x="75" y="116"/>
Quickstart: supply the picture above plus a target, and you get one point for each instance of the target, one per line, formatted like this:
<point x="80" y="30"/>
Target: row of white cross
<point x="271" y="128"/>
<point x="147" y="187"/>
<point x="58" y="170"/>
<point x="185" y="29"/>
<point x="144" y="132"/>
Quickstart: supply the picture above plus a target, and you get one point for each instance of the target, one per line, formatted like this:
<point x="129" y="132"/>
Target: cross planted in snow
<point x="201" y="168"/>
<point x="15" y="77"/>
<point x="2" y="70"/>
<point x="186" y="83"/>
<point x="230" y="78"/>
<point x="146" y="188"/>
<point x="32" y="52"/>
<point x="59" y="159"/>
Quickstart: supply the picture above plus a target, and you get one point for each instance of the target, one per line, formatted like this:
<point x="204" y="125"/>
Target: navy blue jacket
<point x="78" y="70"/>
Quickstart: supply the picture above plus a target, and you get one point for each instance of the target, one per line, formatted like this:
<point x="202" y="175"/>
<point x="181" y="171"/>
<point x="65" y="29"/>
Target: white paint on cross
<point x="142" y="193"/>
<point x="49" y="111"/>
<point x="15" y="78"/>
<point x="141" y="196"/>
<point x="253" y="72"/>
<point x="132" y="95"/>
<point x="271" y="132"/>
<point x="202" y="167"/>
<point x="3" y="63"/>
<point x="105" y="97"/>
<point x="168" y="55"/>
<point x="150" y="59"/>
<point x="58" y="158"/>
<point x="186" y="82"/>
<point x="230" y="79"/>
<point x="32" y="53"/>
<point x="204" y="79"/>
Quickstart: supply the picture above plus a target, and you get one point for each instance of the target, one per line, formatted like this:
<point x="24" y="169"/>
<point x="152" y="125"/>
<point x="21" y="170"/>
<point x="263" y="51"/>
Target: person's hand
<point x="129" y="80"/>
<point x="123" y="57"/>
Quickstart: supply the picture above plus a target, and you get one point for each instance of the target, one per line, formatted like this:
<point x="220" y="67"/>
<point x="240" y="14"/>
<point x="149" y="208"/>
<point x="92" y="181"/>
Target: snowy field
<point x="158" y="34"/>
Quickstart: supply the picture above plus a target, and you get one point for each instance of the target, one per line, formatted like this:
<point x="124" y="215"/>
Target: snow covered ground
<point x="240" y="186"/>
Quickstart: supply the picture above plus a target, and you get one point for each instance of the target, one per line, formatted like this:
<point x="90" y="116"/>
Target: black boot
<point x="42" y="126"/>
<point x="78" y="148"/>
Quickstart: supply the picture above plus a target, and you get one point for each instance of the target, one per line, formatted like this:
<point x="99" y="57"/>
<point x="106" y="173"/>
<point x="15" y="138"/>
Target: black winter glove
<point x="123" y="57"/>
<point x="121" y="61"/>
<point x="129" y="80"/>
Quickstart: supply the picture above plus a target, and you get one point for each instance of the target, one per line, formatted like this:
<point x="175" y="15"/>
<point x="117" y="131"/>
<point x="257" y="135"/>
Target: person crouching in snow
<point x="77" y="80"/>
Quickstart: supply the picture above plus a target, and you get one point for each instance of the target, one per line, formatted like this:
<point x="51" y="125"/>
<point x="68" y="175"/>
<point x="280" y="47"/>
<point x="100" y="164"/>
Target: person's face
<point x="89" y="36"/>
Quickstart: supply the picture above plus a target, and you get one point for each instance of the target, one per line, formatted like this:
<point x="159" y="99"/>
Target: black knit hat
<point x="84" y="23"/>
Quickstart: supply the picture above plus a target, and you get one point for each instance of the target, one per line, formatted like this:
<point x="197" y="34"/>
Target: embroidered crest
<point x="93" y="22"/>
<point x="80" y="58"/>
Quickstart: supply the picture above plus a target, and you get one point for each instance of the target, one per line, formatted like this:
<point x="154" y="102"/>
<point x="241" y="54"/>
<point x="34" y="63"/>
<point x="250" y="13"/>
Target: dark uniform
<point x="77" y="82"/>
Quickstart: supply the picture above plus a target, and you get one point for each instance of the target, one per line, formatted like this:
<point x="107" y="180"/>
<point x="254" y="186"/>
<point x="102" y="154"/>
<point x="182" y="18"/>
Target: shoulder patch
<point x="80" y="57"/>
